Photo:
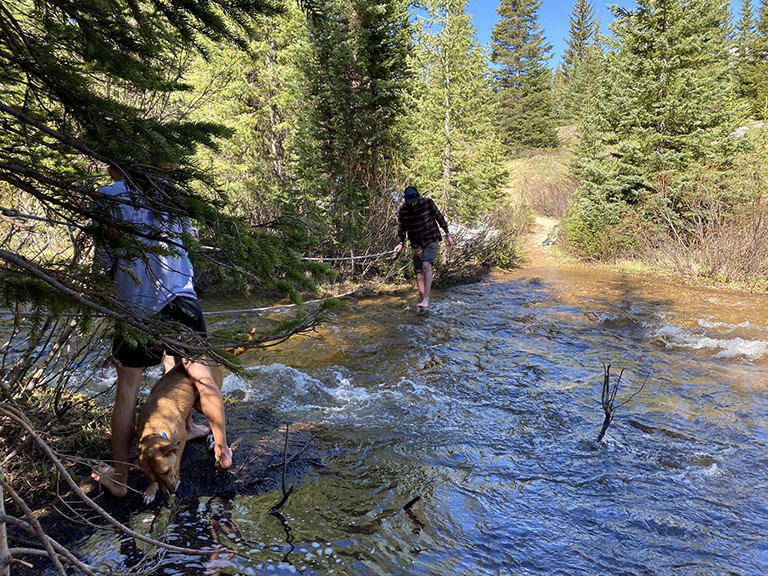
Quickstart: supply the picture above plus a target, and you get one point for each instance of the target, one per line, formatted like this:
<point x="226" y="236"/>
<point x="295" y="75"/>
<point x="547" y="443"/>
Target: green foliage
<point x="255" y="94"/>
<point x="667" y="110"/>
<point x="72" y="61"/>
<point x="578" y="76"/>
<point x="348" y="144"/>
<point x="592" y="225"/>
<point x="745" y="28"/>
<point x="753" y="65"/>
<point x="583" y="34"/>
<point x="458" y="155"/>
<point x="522" y="78"/>
<point x="86" y="83"/>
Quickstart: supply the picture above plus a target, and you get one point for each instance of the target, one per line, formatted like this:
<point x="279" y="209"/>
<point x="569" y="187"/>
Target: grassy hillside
<point x="540" y="180"/>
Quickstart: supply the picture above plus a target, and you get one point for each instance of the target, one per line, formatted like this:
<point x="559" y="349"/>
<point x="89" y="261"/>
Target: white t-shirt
<point x="150" y="281"/>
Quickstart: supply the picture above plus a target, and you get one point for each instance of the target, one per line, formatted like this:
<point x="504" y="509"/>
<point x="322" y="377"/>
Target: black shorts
<point x="183" y="310"/>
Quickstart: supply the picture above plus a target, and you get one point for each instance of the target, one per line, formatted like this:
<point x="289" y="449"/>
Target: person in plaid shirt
<point x="421" y="221"/>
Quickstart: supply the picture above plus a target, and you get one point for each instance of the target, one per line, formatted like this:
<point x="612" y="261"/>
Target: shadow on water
<point x="463" y="442"/>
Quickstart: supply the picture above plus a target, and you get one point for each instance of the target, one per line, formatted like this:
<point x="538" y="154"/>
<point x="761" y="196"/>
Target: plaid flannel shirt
<point x="420" y="222"/>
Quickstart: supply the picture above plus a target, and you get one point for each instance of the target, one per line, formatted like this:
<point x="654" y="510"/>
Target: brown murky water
<point x="487" y="409"/>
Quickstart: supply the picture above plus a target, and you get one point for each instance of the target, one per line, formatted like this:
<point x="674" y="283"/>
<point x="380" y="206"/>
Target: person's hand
<point x="449" y="239"/>
<point x="398" y="248"/>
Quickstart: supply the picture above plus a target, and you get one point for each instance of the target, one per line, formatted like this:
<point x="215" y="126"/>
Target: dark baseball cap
<point x="411" y="194"/>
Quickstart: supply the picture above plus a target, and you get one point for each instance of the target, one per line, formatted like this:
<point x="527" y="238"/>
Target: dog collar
<point x="153" y="434"/>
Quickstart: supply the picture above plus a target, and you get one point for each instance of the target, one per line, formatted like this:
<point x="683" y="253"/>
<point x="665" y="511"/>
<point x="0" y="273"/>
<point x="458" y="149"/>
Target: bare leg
<point x="194" y="431"/>
<point x="420" y="285"/>
<point x="212" y="405"/>
<point x="426" y="284"/>
<point x="123" y="424"/>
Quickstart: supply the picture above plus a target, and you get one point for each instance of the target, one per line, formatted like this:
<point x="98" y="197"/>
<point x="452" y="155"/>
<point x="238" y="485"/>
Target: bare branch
<point x="609" y="397"/>
<point x="20" y="419"/>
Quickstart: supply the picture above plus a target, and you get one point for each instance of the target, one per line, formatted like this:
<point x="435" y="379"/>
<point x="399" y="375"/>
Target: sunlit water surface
<point x="488" y="410"/>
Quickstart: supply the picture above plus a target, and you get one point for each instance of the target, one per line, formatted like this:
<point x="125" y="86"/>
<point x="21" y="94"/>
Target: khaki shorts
<point x="423" y="254"/>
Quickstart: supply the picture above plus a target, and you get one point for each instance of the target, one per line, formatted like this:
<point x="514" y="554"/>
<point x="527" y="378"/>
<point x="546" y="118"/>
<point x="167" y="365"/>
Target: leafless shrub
<point x="45" y="413"/>
<point x="550" y="198"/>
<point x="493" y="243"/>
<point x="723" y="235"/>
<point x="554" y="199"/>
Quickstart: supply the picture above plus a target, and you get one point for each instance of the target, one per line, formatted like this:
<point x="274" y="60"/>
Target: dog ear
<point x="166" y="449"/>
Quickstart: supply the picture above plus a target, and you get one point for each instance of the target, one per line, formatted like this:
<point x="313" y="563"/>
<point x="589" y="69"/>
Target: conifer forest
<point x="286" y="131"/>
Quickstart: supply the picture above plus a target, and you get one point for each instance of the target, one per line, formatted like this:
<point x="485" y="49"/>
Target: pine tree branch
<point x="73" y="143"/>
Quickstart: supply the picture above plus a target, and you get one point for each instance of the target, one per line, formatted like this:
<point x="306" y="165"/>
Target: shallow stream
<point x="483" y="416"/>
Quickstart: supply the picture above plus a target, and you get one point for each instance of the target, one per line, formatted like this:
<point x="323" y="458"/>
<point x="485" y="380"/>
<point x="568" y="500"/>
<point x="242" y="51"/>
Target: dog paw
<point x="150" y="493"/>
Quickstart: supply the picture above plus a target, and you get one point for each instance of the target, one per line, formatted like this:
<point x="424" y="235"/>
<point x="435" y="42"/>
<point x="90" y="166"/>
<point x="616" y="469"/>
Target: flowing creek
<point x="488" y="410"/>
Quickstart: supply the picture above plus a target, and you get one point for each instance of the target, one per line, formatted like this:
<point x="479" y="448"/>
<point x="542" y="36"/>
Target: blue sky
<point x="554" y="19"/>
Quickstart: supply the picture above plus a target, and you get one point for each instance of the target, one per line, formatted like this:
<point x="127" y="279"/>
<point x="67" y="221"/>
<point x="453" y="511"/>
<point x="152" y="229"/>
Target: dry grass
<point x="730" y="250"/>
<point x="542" y="182"/>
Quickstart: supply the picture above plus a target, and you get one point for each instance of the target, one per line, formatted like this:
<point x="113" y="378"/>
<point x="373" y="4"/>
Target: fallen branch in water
<point x="286" y="493"/>
<point x="609" y="397"/>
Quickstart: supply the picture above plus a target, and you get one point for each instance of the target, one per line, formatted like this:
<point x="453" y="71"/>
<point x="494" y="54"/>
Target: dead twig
<point x="52" y="548"/>
<point x="609" y="397"/>
<point x="286" y="493"/>
<point x="11" y="413"/>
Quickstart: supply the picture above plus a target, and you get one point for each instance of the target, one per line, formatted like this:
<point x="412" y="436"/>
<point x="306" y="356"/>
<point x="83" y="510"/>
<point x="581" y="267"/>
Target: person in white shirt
<point x="153" y="284"/>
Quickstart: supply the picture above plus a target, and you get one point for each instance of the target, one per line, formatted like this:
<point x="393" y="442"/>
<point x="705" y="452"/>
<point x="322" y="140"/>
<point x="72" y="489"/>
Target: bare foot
<point x="424" y="304"/>
<point x="104" y="474"/>
<point x="195" y="431"/>
<point x="223" y="457"/>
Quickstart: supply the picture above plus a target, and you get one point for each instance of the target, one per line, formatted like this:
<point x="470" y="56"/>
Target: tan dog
<point x="162" y="430"/>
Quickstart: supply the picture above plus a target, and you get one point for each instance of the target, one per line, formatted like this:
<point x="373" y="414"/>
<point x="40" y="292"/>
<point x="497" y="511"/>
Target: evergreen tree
<point x="754" y="69"/>
<point x="522" y="78"/>
<point x="458" y="153"/>
<point x="86" y="83"/>
<point x="348" y="141"/>
<point x="583" y="34"/>
<point x="579" y="73"/>
<point x="666" y="113"/>
<point x="256" y="95"/>
<point x="745" y="27"/>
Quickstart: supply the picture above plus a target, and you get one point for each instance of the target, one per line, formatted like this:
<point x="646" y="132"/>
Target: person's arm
<point x="400" y="233"/>
<point x="441" y="221"/>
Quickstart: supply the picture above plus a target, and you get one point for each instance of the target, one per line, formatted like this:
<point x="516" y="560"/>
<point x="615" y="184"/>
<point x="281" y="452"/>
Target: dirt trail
<point x="536" y="253"/>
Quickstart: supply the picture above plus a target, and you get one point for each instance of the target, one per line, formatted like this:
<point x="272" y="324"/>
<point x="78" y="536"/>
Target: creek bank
<point x="539" y="251"/>
<point x="258" y="439"/>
